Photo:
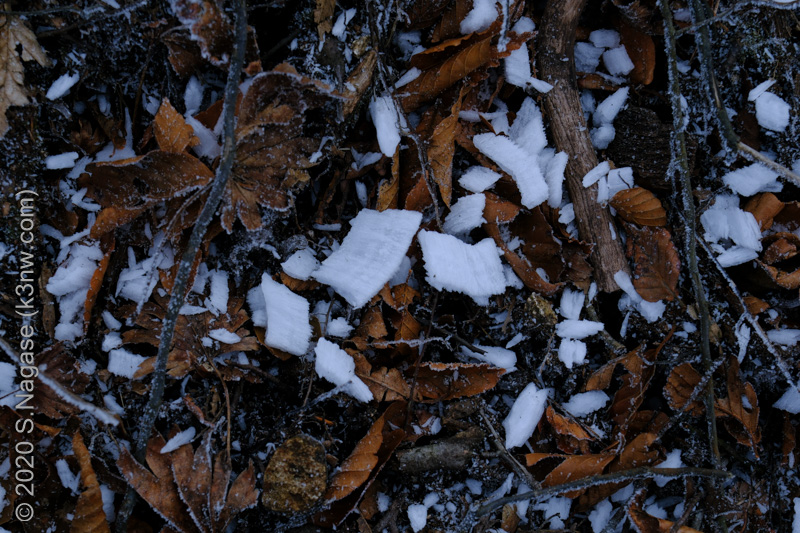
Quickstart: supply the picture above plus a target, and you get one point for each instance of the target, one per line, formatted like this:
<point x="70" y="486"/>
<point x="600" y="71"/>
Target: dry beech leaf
<point x="172" y="132"/>
<point x="499" y="210"/>
<point x="389" y="188"/>
<point x="656" y="263"/>
<point x="779" y="247"/>
<point x="522" y="268"/>
<point x="296" y="476"/>
<point x="13" y="33"/>
<point x="642" y="52"/>
<point x="565" y="426"/>
<point x="449" y="24"/>
<point x="323" y="16"/>
<point x="682" y="382"/>
<point x="639" y="206"/>
<point x="60" y="366"/>
<point x="765" y="207"/>
<point x="646" y="523"/>
<point x="361" y="80"/>
<point x="127" y="188"/>
<point x="386" y="384"/>
<point x="425" y="13"/>
<point x="355" y="470"/>
<point x="733" y="407"/>
<point x="89" y="515"/>
<point x="107" y="243"/>
<point x="441" y="149"/>
<point x="572" y="468"/>
<point x="755" y="306"/>
<point x="439" y="381"/>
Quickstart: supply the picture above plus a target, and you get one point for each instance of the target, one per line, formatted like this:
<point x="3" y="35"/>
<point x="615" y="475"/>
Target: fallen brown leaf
<point x="639" y="206"/>
<point x="172" y="132"/>
<point x="89" y="515"/>
<point x="765" y="207"/>
<point x="440" y="381"/>
<point x="656" y="263"/>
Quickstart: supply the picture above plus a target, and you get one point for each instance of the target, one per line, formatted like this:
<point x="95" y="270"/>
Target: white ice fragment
<point x="796" y="501"/>
<point x="784" y="337"/>
<point x="518" y="63"/>
<point x="518" y="162"/>
<point x="65" y="160"/>
<point x="604" y="38"/>
<point x="673" y="460"/>
<point x="389" y="122"/>
<point x="193" y="96"/>
<point x="183" y="437"/>
<point x="499" y="357"/>
<point x="587" y="57"/>
<point x="70" y="285"/>
<point x="736" y="255"/>
<point x="284" y="315"/>
<point x="342" y="21"/>
<point x="478" y="179"/>
<point x="578" y="329"/>
<point x="772" y="112"/>
<point x="480" y="17"/>
<point x="790" y="401"/>
<point x="617" y="61"/>
<point x="524" y="415"/>
<point x="760" y="89"/>
<point x="528" y="128"/>
<point x="585" y="403"/>
<point x="571" y="304"/>
<point x="600" y="516"/>
<point x="338" y="367"/>
<point x="217" y="301"/>
<point x="123" y="363"/>
<point x="410" y="75"/>
<point x="301" y="264"/>
<point x="602" y="136"/>
<point x="224" y="336"/>
<point x="571" y="352"/>
<point x="111" y="322"/>
<point x="556" y="510"/>
<point x="608" y="109"/>
<point x="338" y="327"/>
<point x="209" y="144"/>
<point x="68" y="479"/>
<point x="554" y="175"/>
<point x="596" y="174"/>
<point x="62" y="85"/>
<point x="417" y="516"/>
<point x="370" y="254"/>
<point x="110" y="341"/>
<point x="465" y="215"/>
<point x="619" y="179"/>
<point x="752" y="179"/>
<point x="471" y="269"/>
<point x="474" y="486"/>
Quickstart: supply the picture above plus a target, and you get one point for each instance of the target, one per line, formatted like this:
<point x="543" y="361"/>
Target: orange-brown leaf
<point x="386" y="384"/>
<point x="640" y="206"/>
<point x="657" y="265"/>
<point x="566" y="426"/>
<point x="89" y="515"/>
<point x="355" y="470"/>
<point x="646" y="523"/>
<point x="107" y="244"/>
<point x="172" y="132"/>
<point x="498" y="210"/>
<point x="733" y="407"/>
<point x="682" y="382"/>
<point x="439" y="381"/>
<point x="765" y="207"/>
<point x="526" y="272"/>
<point x="642" y="52"/>
<point x="576" y="467"/>
<point x="389" y="189"/>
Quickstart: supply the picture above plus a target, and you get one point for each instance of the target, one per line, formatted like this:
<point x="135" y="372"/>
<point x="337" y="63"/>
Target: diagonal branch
<point x="571" y="135"/>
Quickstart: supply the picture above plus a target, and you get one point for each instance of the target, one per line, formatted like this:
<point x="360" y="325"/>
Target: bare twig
<point x="644" y="472"/>
<point x="571" y="135"/>
<point x="752" y="154"/>
<point x="187" y="259"/>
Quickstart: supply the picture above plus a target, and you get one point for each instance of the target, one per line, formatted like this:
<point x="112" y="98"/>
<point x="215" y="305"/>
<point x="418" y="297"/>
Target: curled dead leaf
<point x="639" y="206"/>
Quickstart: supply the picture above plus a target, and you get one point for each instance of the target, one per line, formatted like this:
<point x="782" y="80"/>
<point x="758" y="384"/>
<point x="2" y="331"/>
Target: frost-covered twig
<point x="184" y="269"/>
<point x="68" y="396"/>
<point x="644" y="472"/>
<point x="752" y="154"/>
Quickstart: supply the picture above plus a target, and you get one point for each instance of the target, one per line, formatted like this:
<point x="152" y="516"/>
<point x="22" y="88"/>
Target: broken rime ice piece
<point x="123" y="363"/>
<point x="183" y="437"/>
<point x="571" y="352"/>
<point x="480" y="17"/>
<point x="604" y="38"/>
<point x="519" y="163"/>
<point x="784" y="337"/>
<point x="417" y="516"/>
<point x="578" y="329"/>
<point x="724" y="220"/>
<point x="224" y="336"/>
<point x="465" y="215"/>
<point x="524" y="415"/>
<point x="499" y="357"/>
<point x="587" y="57"/>
<point x="617" y="61"/>
<point x="217" y="301"/>
<point x="585" y="403"/>
<point x="370" y="254"/>
<point x="336" y="366"/>
<point x="65" y="160"/>
<point x="518" y="62"/>
<point x="301" y="264"/>
<point x="600" y="515"/>
<point x="284" y="315"/>
<point x="790" y="401"/>
<point x="752" y="179"/>
<point x="62" y="85"/>
<point x="389" y="122"/>
<point x="471" y="269"/>
<point x="478" y="179"/>
<point x="772" y="112"/>
<point x="571" y="304"/>
<point x="70" y="285"/>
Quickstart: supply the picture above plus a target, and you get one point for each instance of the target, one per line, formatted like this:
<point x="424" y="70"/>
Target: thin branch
<point x="198" y="232"/>
<point x="644" y="472"/>
<point x="752" y="154"/>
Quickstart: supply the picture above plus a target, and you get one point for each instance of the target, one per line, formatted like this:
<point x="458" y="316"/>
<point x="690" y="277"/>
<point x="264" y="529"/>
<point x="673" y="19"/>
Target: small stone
<point x="296" y="477"/>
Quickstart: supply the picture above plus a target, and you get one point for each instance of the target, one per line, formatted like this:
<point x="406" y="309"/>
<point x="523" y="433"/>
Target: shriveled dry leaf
<point x="748" y="432"/>
<point x="522" y="268"/>
<point x="449" y="24"/>
<point x="107" y="243"/>
<point x="646" y="523"/>
<point x="779" y="246"/>
<point x="89" y="515"/>
<point x="125" y="189"/>
<point x="765" y="207"/>
<point x="642" y="52"/>
<point x="13" y="33"/>
<point x="323" y="16"/>
<point x="682" y="382"/>
<point x="172" y="132"/>
<point x="386" y="384"/>
<point x="439" y="381"/>
<point x="656" y="263"/>
<point x="389" y="188"/>
<point x="639" y="206"/>
<point x="565" y="426"/>
<point x="360" y="79"/>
